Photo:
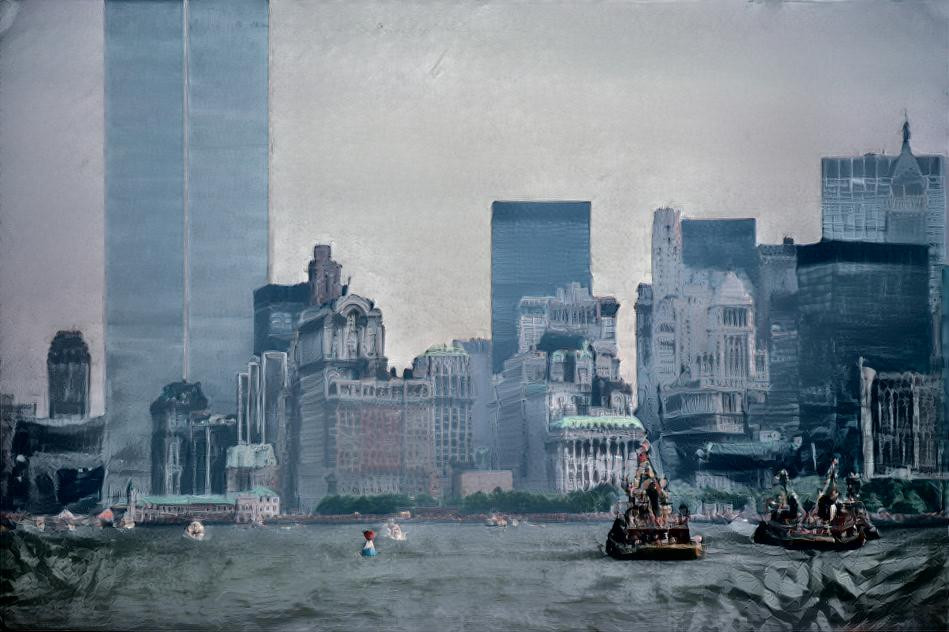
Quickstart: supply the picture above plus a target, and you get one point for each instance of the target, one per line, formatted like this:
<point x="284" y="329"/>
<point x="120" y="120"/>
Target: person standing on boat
<point x="793" y="502"/>
<point x="853" y="486"/>
<point x="827" y="501"/>
<point x="654" y="494"/>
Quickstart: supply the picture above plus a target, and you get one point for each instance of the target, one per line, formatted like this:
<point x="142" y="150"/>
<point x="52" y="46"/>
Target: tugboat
<point x="834" y="524"/>
<point x="645" y="527"/>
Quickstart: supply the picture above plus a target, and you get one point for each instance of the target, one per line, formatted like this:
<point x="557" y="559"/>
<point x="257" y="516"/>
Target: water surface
<point x="461" y="577"/>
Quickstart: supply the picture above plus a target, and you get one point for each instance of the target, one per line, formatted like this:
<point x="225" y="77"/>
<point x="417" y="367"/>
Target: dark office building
<point x="67" y="368"/>
<point x="276" y="308"/>
<point x="720" y="244"/>
<point x="536" y="247"/>
<point x="856" y="300"/>
<point x="189" y="446"/>
<point x="185" y="206"/>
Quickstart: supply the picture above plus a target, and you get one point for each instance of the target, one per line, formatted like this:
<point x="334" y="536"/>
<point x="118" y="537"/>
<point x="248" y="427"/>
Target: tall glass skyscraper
<point x="536" y="247"/>
<point x="186" y="93"/>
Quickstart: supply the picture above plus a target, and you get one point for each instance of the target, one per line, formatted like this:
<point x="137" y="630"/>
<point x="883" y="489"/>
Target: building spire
<point x="906" y="132"/>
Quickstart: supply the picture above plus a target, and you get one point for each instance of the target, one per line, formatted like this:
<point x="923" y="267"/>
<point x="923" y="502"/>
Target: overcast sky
<point x="394" y="127"/>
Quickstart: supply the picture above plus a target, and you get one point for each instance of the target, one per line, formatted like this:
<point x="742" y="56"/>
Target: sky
<point x="395" y="125"/>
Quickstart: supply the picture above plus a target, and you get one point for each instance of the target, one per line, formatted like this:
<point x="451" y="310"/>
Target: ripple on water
<point x="453" y="576"/>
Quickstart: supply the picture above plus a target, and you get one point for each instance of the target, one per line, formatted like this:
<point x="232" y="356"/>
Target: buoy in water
<point x="369" y="549"/>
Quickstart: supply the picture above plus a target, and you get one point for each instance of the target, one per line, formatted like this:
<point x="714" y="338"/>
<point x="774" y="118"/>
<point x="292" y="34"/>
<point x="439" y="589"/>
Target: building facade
<point x="52" y="462"/>
<point x="566" y="366"/>
<point x="67" y="366"/>
<point x="55" y="463"/>
<point x="585" y="452"/>
<point x="856" y="300"/>
<point x="705" y="328"/>
<point x="185" y="205"/>
<point x="173" y="458"/>
<point x="448" y="368"/>
<point x="899" y="423"/>
<point x="190" y="447"/>
<point x="353" y="428"/>
<point x="536" y="247"/>
<point x="276" y="309"/>
<point x="483" y="421"/>
<point x="889" y="199"/>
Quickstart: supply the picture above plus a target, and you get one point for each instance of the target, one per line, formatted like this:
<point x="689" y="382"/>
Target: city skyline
<point x="515" y="296"/>
<point x="731" y="169"/>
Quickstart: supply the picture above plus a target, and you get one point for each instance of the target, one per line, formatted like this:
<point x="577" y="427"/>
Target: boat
<point x="35" y="524"/>
<point x="194" y="531"/>
<point x="652" y="543"/>
<point x="496" y="520"/>
<point x="645" y="527"/>
<point x="834" y="525"/>
<point x="125" y="523"/>
<point x="394" y="531"/>
<point x="107" y="517"/>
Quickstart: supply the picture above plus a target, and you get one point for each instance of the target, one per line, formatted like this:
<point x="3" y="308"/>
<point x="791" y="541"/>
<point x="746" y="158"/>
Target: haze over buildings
<point x="370" y="103"/>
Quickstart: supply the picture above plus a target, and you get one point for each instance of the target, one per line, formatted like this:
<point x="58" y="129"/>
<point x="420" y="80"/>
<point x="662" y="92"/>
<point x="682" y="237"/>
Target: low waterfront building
<point x="246" y="506"/>
<point x="584" y="452"/>
<point x="256" y="504"/>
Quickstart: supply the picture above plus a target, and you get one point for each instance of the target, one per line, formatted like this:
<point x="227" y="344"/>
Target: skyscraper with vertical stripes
<point x="186" y="159"/>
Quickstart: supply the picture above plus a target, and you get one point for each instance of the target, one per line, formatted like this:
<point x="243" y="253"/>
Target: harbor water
<point x="460" y="577"/>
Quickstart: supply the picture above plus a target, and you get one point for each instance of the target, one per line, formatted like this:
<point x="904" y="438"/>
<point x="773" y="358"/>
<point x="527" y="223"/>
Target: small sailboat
<point x="496" y="520"/>
<point x="126" y="522"/>
<point x="369" y="549"/>
<point x="195" y="531"/>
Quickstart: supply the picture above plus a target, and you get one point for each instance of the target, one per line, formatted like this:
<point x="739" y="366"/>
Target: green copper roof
<point x="580" y="422"/>
<point x="209" y="499"/>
